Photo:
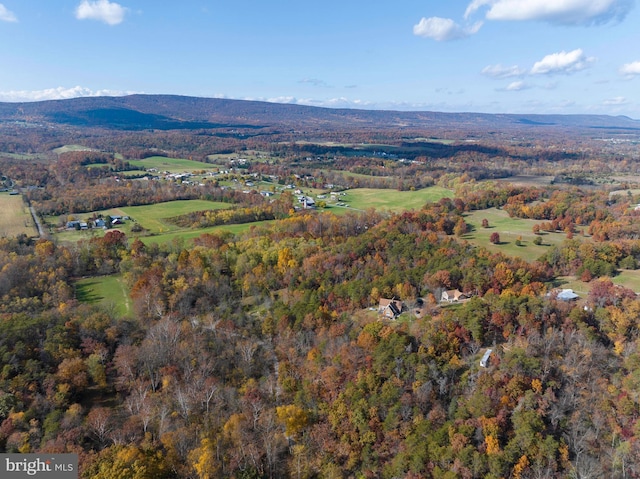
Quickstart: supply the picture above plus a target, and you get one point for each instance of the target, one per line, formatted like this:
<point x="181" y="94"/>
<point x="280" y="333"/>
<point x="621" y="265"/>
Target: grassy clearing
<point x="392" y="200"/>
<point x="349" y="174"/>
<point x="510" y="230"/>
<point x="251" y="155"/>
<point x="442" y="141"/>
<point x="344" y="145"/>
<point x="571" y="282"/>
<point x="627" y="192"/>
<point x="526" y="180"/>
<point x="15" y="218"/>
<point x="627" y="278"/>
<point x="109" y="291"/>
<point x="25" y="156"/>
<point x="190" y="235"/>
<point x="67" y="148"/>
<point x="153" y="218"/>
<point x="173" y="165"/>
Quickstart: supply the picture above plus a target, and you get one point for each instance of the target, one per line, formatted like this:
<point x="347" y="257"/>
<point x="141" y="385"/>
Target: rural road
<point x="36" y="220"/>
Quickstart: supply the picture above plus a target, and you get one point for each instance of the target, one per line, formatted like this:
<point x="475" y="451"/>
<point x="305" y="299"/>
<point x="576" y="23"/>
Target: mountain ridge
<point x="141" y="111"/>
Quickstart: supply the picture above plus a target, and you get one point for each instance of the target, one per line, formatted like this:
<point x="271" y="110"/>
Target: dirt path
<point x="36" y="220"/>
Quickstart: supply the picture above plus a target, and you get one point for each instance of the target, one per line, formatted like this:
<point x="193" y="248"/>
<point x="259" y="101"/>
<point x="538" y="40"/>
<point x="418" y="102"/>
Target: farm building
<point x="567" y="295"/>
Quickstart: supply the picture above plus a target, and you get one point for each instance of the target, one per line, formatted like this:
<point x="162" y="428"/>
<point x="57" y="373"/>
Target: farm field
<point x="392" y="200"/>
<point x="15" y="218"/>
<point x="26" y="156"/>
<point x="68" y="148"/>
<point x="251" y="155"/>
<point x="173" y="165"/>
<point x="526" y="180"/>
<point x="109" y="291"/>
<point x="343" y="144"/>
<point x="632" y="191"/>
<point x="347" y="174"/>
<point x="510" y="229"/>
<point x="151" y="217"/>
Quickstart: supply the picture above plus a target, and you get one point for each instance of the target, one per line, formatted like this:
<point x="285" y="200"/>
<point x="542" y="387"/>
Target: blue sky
<point x="495" y="56"/>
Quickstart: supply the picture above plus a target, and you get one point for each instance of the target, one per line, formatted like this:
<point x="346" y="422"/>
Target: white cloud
<point x="499" y="71"/>
<point x="315" y="82"/>
<point x="59" y="93"/>
<point x="282" y="99"/>
<point x="105" y="11"/>
<point x="474" y="6"/>
<point x="516" y="86"/>
<point x="443" y="29"/>
<point x="562" y="62"/>
<point x="7" y="15"/>
<point x="617" y="101"/>
<point x="630" y="69"/>
<point x="340" y="102"/>
<point x="565" y="12"/>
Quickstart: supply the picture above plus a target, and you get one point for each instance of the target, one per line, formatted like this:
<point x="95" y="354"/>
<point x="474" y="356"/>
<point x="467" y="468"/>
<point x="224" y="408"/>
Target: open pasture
<point x="190" y="235"/>
<point x="524" y="180"/>
<point x="510" y="230"/>
<point x="108" y="291"/>
<point x="350" y="174"/>
<point x="629" y="279"/>
<point x="173" y="165"/>
<point x="68" y="148"/>
<point x="153" y="218"/>
<point x="392" y="200"/>
<point x="251" y="155"/>
<point x="15" y="218"/>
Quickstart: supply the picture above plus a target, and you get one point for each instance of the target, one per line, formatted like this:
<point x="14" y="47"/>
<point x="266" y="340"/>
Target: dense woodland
<point x="257" y="355"/>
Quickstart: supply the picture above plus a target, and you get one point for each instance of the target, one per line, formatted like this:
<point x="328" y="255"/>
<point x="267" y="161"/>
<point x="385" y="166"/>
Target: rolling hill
<point x="168" y="112"/>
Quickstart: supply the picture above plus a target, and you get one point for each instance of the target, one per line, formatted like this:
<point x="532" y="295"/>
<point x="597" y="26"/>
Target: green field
<point x="15" y="218"/>
<point x="173" y="165"/>
<point x="348" y="174"/>
<point x="154" y="217"/>
<point x="109" y="291"/>
<point x="509" y="229"/>
<point x="151" y="217"/>
<point x="251" y="155"/>
<point x="627" y="192"/>
<point x="28" y="156"/>
<point x="627" y="278"/>
<point x="189" y="235"/>
<point x="442" y="141"/>
<point x="392" y="200"/>
<point x="67" y="148"/>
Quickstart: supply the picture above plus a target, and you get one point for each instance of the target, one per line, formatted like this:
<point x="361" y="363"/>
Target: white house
<point x="453" y="295"/>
